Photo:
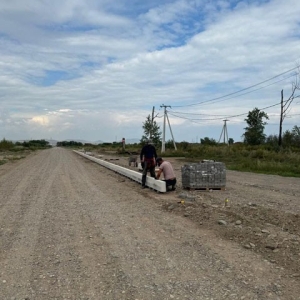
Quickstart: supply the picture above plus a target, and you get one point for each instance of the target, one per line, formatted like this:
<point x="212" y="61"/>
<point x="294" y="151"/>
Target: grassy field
<point x="260" y="159"/>
<point x="247" y="159"/>
<point x="240" y="157"/>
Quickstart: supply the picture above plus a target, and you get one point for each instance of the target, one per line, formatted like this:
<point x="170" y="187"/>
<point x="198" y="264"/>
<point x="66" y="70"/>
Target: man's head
<point x="149" y="141"/>
<point x="159" y="161"/>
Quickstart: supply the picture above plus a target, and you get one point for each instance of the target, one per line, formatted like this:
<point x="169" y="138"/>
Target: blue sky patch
<point x="51" y="78"/>
<point x="68" y="27"/>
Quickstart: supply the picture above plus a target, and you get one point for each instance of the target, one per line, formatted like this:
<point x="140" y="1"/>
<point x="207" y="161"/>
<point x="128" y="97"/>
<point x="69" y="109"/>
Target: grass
<point x="246" y="159"/>
<point x="258" y="159"/>
<point x="2" y="162"/>
<point x="11" y="155"/>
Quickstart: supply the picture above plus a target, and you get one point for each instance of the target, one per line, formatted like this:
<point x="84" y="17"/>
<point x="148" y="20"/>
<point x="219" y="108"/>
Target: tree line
<point x="31" y="144"/>
<point x="254" y="133"/>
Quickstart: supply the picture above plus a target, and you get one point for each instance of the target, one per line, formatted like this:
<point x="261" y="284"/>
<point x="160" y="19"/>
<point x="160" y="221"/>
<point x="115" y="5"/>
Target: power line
<point x="249" y="91"/>
<point x="228" y="117"/>
<point x="257" y="84"/>
<point x="195" y="114"/>
<point x="276" y="124"/>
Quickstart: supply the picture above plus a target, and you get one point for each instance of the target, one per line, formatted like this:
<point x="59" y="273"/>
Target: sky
<point x="93" y="70"/>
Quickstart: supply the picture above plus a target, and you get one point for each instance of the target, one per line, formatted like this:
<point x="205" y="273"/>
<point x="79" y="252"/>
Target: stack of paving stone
<point x="207" y="174"/>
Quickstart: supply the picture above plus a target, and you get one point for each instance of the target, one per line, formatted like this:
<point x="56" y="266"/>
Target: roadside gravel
<point x="71" y="229"/>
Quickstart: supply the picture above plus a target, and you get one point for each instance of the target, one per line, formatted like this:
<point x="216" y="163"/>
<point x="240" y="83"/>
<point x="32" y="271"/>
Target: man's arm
<point x="142" y="154"/>
<point x="154" y="152"/>
<point x="158" y="173"/>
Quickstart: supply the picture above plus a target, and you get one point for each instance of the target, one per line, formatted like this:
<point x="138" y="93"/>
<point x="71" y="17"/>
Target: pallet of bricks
<point x="206" y="175"/>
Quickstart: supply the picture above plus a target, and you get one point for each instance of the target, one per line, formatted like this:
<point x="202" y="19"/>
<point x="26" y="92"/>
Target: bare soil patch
<point x="71" y="229"/>
<point x="262" y="213"/>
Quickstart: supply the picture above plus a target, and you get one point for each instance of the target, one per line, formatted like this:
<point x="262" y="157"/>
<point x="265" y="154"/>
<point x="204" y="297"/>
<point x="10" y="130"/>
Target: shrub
<point x="6" y="145"/>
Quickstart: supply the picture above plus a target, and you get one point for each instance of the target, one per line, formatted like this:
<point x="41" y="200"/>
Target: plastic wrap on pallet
<point x="206" y="174"/>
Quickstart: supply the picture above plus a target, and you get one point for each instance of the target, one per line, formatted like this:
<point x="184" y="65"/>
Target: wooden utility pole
<point x="287" y="103"/>
<point x="281" y="120"/>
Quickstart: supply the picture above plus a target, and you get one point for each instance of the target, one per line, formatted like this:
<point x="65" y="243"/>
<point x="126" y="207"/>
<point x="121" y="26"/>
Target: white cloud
<point x="116" y="63"/>
<point x="40" y="120"/>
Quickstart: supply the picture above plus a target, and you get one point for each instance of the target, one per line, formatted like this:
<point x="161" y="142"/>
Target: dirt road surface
<point x="71" y="229"/>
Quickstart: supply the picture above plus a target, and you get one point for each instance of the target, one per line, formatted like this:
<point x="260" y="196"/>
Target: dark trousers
<point x="146" y="168"/>
<point x="171" y="183"/>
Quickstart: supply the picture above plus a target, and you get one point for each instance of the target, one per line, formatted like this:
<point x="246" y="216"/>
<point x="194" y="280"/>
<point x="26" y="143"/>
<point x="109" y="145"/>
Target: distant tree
<point x="272" y="139"/>
<point x="254" y="132"/>
<point x="287" y="139"/>
<point x="296" y="136"/>
<point x="183" y="145"/>
<point x="151" y="130"/>
<point x="230" y="141"/>
<point x="6" y="145"/>
<point x="36" y="144"/>
<point x="296" y="132"/>
<point x="69" y="144"/>
<point x="169" y="144"/>
<point x="40" y="143"/>
<point x="208" y="141"/>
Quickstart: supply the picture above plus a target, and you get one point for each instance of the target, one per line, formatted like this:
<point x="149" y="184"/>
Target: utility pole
<point x="281" y="120"/>
<point x="224" y="133"/>
<point x="288" y="102"/>
<point x="163" y="148"/>
<point x="152" y="120"/>
<point x="171" y="133"/>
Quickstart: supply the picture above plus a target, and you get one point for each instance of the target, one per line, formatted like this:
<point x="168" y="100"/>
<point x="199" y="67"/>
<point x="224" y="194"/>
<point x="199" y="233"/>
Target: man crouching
<point x="166" y="168"/>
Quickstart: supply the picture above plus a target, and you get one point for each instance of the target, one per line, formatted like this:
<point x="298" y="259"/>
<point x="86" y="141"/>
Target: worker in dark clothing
<point x="148" y="161"/>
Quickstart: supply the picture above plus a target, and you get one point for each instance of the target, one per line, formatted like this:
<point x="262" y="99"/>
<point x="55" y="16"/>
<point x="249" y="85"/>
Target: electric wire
<point x="234" y="93"/>
<point x="205" y="102"/>
<point x="225" y="116"/>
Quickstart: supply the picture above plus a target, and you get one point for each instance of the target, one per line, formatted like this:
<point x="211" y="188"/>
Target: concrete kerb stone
<point x="157" y="185"/>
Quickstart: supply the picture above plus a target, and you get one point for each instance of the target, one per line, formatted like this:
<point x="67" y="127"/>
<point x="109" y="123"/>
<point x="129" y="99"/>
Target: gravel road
<point x="71" y="229"/>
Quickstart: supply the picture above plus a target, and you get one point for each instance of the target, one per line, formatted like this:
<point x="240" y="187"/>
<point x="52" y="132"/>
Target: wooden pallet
<point x="205" y="188"/>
